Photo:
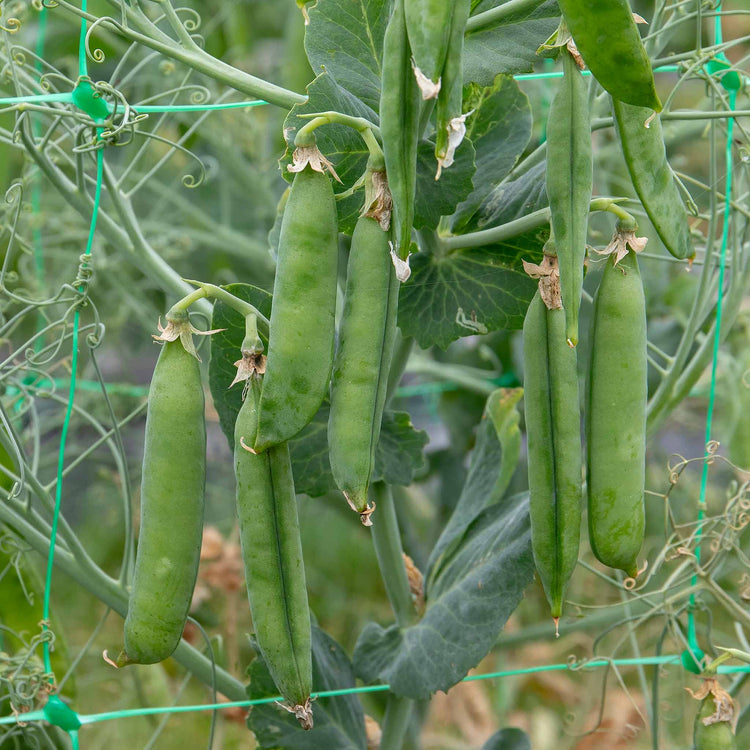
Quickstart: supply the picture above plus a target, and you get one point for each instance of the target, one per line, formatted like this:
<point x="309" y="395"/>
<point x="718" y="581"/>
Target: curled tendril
<point x="194" y="22"/>
<point x="95" y="338"/>
<point x="12" y="26"/>
<point x="97" y="55"/>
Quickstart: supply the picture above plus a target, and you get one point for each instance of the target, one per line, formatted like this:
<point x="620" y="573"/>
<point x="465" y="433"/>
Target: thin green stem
<point x="387" y="540"/>
<point x="396" y="721"/>
<point x="237" y="304"/>
<point x="494" y="16"/>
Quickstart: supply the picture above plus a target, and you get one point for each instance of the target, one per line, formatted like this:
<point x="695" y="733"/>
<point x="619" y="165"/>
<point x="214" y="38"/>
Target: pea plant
<point x="529" y="215"/>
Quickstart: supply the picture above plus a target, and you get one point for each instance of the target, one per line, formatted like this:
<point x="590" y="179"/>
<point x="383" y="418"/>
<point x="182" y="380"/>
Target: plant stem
<point x="471" y="378"/>
<point x="494" y="16"/>
<point x="401" y="354"/>
<point x="534" y="220"/>
<point x="387" y="540"/>
<point x="237" y="304"/>
<point x="395" y="722"/>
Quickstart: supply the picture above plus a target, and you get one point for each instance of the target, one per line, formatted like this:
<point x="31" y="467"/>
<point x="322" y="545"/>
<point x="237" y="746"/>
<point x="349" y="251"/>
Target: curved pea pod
<point x="302" y="331"/>
<point x="360" y="373"/>
<point x="616" y="417"/>
<point x="399" y="126"/>
<point x="172" y="502"/>
<point x="652" y="177"/>
<point x="569" y="183"/>
<point x="607" y="38"/>
<point x="553" y="427"/>
<point x="272" y="553"/>
<point x="450" y="128"/>
<point x="428" y="25"/>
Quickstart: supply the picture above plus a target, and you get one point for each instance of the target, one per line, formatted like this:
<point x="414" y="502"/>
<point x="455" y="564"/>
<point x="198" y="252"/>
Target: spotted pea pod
<point x="172" y="504"/>
<point x="428" y="25"/>
<point x="360" y="373"/>
<point x="616" y="417"/>
<point x="272" y="554"/>
<point x="399" y="126"/>
<point x="607" y="38"/>
<point x="569" y="183"/>
<point x="654" y="182"/>
<point x="450" y="127"/>
<point x="553" y="427"/>
<point x="302" y="329"/>
<point x="716" y="735"/>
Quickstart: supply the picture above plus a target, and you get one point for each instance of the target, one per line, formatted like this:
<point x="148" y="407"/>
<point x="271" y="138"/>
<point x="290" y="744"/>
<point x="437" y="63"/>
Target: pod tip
<point x="556" y="620"/>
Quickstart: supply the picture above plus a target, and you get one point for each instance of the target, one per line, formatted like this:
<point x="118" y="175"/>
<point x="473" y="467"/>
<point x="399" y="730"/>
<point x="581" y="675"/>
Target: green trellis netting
<point x="100" y="117"/>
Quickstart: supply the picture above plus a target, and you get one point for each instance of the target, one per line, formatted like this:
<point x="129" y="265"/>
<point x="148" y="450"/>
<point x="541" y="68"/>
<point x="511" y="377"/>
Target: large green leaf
<point x="436" y="198"/>
<point x="225" y="351"/>
<point x="512" y="199"/>
<point x="510" y="46"/>
<point x="468" y="291"/>
<point x="498" y="445"/>
<point x="499" y="129"/>
<point x="346" y="38"/>
<point x="339" y="722"/>
<point x="400" y="451"/>
<point x="477" y="575"/>
<point x="476" y="593"/>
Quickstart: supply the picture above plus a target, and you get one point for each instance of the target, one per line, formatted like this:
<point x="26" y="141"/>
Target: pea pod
<point x="399" y="126"/>
<point x="607" y="38"/>
<point x="300" y="349"/>
<point x="652" y="177"/>
<point x="450" y="127"/>
<point x="553" y="426"/>
<point x="428" y="24"/>
<point x="569" y="183"/>
<point x="717" y="735"/>
<point x="272" y="553"/>
<point x="360" y="373"/>
<point x="172" y="489"/>
<point x="616" y="417"/>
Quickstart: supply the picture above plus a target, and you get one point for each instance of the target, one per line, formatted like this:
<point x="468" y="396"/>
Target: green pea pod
<point x="302" y="331"/>
<point x="449" y="127"/>
<point x="428" y="24"/>
<point x="569" y="182"/>
<point x="553" y="426"/>
<point x="272" y="553"/>
<point x="715" y="736"/>
<point x="172" y="489"/>
<point x="652" y="177"/>
<point x="607" y="38"/>
<point x="360" y="373"/>
<point x="399" y="126"/>
<point x="616" y="417"/>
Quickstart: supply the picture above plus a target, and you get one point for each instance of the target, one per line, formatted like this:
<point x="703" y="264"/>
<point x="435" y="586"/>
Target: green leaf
<point x="309" y="454"/>
<point x="499" y="129"/>
<point x="339" y="722"/>
<point x="436" y="198"/>
<point x="498" y="445"/>
<point x="512" y="200"/>
<point x="225" y="351"/>
<point x="346" y="38"/>
<point x="509" y="47"/>
<point x="510" y="738"/>
<point x="474" y="595"/>
<point x="468" y="291"/>
<point x="400" y="451"/>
